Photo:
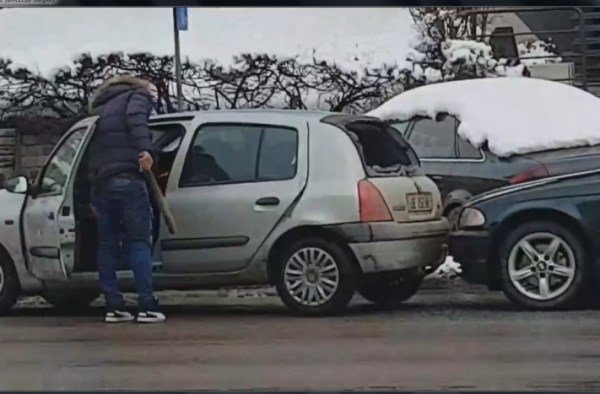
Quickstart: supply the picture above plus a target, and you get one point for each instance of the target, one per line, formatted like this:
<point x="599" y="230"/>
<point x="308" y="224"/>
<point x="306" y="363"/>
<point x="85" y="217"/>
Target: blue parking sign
<point x="181" y="17"/>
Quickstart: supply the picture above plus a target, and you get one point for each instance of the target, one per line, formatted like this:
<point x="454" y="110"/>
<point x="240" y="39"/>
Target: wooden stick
<point x="162" y="202"/>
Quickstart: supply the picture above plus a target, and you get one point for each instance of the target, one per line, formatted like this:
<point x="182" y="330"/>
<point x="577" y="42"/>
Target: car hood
<point x="503" y="191"/>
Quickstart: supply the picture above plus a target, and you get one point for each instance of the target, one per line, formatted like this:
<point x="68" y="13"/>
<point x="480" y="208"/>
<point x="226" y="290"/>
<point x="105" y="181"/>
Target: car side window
<point x="55" y="175"/>
<point x="238" y="153"/>
<point x="466" y="150"/>
<point x="278" y="154"/>
<point x="433" y="139"/>
<point x="401" y="127"/>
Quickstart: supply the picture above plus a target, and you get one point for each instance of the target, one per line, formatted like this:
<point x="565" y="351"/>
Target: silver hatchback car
<point x="318" y="204"/>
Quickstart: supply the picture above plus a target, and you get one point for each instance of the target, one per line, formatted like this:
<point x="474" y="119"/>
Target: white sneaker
<point x="150" y="317"/>
<point x="118" y="317"/>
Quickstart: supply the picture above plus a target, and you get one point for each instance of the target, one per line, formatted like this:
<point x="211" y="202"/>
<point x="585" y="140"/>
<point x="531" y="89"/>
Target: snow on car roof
<point x="514" y="115"/>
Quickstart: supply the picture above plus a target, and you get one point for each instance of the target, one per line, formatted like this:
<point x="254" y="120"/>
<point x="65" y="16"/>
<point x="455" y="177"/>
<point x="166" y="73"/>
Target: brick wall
<point x="33" y="151"/>
<point x="7" y="153"/>
<point x="33" y="139"/>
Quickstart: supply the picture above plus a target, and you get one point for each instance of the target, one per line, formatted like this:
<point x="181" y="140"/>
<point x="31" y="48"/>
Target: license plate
<point x="419" y="202"/>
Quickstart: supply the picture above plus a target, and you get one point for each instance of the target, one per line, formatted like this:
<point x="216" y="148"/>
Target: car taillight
<point x="372" y="205"/>
<point x="531" y="174"/>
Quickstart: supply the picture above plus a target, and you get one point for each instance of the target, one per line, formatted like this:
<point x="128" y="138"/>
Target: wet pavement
<point x="460" y="338"/>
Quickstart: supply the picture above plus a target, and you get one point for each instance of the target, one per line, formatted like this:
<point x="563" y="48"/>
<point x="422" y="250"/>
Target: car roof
<point x="333" y="118"/>
<point x="293" y="113"/>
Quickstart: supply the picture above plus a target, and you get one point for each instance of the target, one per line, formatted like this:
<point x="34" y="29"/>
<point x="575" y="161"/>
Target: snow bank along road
<point x="460" y="338"/>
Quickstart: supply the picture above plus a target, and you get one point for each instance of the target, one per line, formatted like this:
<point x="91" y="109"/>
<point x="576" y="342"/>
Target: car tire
<point x="391" y="292"/>
<point x="9" y="285"/>
<point x="70" y="301"/>
<point x="519" y="282"/>
<point x="329" y="277"/>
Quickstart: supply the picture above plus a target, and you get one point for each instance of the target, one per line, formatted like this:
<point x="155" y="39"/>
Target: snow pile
<point x="460" y="58"/>
<point x="514" y="115"/>
<point x="449" y="269"/>
<point x="468" y="51"/>
<point x="537" y="52"/>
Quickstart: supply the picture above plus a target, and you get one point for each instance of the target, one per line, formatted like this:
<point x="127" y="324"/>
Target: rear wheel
<point x="9" y="285"/>
<point x="317" y="277"/>
<point x="543" y="265"/>
<point x="70" y="301"/>
<point x="391" y="292"/>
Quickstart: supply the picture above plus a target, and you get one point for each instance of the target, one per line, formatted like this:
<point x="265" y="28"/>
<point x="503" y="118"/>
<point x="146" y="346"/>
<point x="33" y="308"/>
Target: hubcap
<point x="542" y="266"/>
<point x="311" y="276"/>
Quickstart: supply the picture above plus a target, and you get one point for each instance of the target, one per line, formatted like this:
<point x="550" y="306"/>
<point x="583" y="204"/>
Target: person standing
<point x="120" y="151"/>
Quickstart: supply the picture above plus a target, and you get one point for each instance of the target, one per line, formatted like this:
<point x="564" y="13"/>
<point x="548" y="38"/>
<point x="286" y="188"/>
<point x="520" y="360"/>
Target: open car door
<point x="48" y="218"/>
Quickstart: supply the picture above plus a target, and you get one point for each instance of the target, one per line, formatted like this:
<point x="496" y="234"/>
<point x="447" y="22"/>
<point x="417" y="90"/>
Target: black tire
<point x="574" y="294"/>
<point x="70" y="301"/>
<point x="9" y="285"/>
<point x="390" y="292"/>
<point x="347" y="282"/>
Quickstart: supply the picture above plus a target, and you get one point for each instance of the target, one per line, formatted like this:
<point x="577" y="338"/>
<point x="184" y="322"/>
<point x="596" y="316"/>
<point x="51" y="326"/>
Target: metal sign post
<point x="180" y="22"/>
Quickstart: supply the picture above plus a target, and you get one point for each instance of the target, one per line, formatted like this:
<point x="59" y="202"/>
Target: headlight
<point x="471" y="217"/>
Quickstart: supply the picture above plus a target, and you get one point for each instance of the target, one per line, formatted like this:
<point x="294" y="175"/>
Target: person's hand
<point x="146" y="161"/>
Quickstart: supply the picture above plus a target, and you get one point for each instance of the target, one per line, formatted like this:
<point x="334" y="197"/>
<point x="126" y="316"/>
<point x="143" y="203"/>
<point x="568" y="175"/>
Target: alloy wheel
<point x="542" y="266"/>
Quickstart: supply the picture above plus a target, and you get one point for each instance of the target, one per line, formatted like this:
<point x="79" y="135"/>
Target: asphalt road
<point x="459" y="338"/>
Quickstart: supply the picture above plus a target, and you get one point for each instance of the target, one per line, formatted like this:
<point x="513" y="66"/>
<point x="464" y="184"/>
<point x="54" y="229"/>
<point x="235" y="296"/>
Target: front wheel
<point x="543" y="265"/>
<point x="391" y="292"/>
<point x="317" y="277"/>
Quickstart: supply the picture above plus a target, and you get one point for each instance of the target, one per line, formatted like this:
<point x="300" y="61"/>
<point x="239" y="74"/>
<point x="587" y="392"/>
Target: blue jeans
<point x="122" y="207"/>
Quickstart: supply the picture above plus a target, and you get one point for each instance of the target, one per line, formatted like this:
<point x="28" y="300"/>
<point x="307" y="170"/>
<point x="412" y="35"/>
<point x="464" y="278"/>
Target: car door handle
<point x="437" y="177"/>
<point x="267" y="201"/>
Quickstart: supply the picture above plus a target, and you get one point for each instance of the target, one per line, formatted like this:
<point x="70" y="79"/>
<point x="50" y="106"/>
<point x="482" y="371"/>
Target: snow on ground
<point x="449" y="269"/>
<point x="515" y="115"/>
<point x="47" y="38"/>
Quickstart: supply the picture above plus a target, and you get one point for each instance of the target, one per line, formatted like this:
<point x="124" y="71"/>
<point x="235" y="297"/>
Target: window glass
<point x="235" y="154"/>
<point x="434" y="139"/>
<point x="278" y="151"/>
<point x="466" y="150"/>
<point x="402" y="127"/>
<point x="60" y="164"/>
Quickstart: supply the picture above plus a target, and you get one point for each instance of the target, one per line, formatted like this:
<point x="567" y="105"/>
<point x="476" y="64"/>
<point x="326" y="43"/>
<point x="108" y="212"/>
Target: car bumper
<point x="471" y="249"/>
<point x="381" y="247"/>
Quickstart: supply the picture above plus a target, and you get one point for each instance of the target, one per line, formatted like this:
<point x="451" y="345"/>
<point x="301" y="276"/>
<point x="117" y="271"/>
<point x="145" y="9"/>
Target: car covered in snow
<point x="477" y="135"/>
<point x="318" y="204"/>
<point x="537" y="242"/>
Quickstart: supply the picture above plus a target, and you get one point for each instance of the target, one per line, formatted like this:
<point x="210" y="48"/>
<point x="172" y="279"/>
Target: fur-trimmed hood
<point x="114" y="87"/>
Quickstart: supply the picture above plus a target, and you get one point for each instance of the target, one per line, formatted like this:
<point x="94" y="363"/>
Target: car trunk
<point x="393" y="168"/>
<point x="563" y="161"/>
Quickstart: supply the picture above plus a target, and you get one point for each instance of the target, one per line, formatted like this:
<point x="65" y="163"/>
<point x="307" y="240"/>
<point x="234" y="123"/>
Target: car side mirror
<point x="18" y="185"/>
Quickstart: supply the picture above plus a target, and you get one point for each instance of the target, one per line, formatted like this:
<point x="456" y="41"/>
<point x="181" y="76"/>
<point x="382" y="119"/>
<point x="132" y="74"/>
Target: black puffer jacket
<point x="122" y="132"/>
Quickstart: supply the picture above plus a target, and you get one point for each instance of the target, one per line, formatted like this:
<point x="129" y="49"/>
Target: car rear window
<point x="383" y="149"/>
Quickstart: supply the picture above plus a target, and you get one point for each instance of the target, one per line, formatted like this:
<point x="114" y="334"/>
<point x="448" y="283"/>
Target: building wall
<point x="32" y="153"/>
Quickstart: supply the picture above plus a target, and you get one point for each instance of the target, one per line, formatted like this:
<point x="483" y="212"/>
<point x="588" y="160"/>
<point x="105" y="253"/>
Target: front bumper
<point x="472" y="250"/>
<point x="389" y="246"/>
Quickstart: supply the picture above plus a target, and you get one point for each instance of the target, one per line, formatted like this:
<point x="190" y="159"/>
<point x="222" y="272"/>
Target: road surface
<point x="458" y="338"/>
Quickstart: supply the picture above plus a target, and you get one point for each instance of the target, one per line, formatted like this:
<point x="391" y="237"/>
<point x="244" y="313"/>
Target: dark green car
<point x="538" y="242"/>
